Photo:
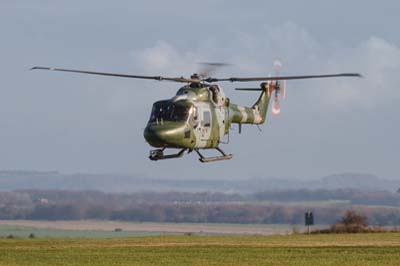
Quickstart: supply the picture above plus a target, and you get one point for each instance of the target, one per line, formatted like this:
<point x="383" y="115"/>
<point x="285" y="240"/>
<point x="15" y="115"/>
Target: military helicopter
<point x="199" y="116"/>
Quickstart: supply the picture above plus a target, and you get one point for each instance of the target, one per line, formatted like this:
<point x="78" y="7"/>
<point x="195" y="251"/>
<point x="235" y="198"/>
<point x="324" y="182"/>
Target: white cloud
<point x="164" y="58"/>
<point x="378" y="61"/>
<point x="253" y="54"/>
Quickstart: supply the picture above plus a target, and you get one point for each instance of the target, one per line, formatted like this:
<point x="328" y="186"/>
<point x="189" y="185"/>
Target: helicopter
<point x="199" y="115"/>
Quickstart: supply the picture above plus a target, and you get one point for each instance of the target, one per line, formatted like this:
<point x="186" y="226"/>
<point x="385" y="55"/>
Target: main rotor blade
<point x="248" y="89"/>
<point x="236" y="79"/>
<point x="210" y="67"/>
<point x="159" y="78"/>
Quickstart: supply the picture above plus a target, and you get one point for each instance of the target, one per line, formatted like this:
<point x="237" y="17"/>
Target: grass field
<point x="310" y="250"/>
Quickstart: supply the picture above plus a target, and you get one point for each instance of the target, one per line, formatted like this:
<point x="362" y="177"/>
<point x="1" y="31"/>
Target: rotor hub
<point x="195" y="76"/>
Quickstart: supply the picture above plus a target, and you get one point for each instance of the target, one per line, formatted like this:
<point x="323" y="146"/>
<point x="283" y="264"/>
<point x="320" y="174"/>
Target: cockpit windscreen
<point x="165" y="111"/>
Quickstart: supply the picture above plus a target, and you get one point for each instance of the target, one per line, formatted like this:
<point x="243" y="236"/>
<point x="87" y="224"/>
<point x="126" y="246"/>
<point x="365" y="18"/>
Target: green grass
<point x="310" y="250"/>
<point x="25" y="231"/>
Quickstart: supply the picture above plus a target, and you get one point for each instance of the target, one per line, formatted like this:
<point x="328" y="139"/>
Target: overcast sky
<point x="77" y="123"/>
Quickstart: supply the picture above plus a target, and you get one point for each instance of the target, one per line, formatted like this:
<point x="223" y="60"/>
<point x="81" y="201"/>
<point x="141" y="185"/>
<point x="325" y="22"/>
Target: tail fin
<point x="262" y="106"/>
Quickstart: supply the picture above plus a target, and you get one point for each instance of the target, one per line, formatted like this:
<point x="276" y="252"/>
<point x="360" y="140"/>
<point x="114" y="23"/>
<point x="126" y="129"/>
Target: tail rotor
<point x="274" y="88"/>
<point x="278" y="87"/>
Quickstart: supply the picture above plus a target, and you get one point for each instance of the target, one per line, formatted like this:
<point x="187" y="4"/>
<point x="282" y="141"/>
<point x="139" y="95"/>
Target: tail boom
<point x="250" y="115"/>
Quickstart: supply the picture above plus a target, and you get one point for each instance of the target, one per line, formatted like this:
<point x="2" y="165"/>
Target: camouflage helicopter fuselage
<point x="198" y="117"/>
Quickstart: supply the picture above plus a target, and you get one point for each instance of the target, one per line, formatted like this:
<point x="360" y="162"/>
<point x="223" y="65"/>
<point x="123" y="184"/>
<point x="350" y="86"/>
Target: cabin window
<point x="207" y="118"/>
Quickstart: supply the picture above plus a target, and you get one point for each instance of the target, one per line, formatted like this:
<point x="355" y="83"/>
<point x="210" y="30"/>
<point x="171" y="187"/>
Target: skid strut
<point x="158" y="154"/>
<point x="224" y="156"/>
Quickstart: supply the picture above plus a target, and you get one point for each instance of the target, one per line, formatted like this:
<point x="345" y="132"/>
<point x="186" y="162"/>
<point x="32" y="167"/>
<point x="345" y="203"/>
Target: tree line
<point x="180" y="207"/>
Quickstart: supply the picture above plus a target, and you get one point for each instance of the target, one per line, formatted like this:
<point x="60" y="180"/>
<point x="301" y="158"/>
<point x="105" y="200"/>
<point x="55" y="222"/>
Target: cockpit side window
<point x="179" y="113"/>
<point x="194" y="117"/>
<point x="195" y="113"/>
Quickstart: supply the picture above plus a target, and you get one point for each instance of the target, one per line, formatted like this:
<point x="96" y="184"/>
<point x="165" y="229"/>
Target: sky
<point x="78" y="123"/>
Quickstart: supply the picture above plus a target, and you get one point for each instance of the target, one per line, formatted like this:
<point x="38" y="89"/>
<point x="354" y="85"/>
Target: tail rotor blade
<point x="276" y="109"/>
<point x="284" y="89"/>
<point x="277" y="66"/>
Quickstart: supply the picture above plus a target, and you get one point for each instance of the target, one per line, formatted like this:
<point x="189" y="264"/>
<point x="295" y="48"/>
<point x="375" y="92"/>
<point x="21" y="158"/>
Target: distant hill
<point x="15" y="180"/>
<point x="355" y="180"/>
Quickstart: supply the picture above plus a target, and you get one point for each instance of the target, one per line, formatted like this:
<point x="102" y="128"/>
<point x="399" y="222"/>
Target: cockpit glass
<point x="169" y="112"/>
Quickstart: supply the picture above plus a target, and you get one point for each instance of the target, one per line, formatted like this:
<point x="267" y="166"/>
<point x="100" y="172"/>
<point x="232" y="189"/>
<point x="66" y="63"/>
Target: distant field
<point x="18" y="231"/>
<point x="311" y="250"/>
<point x="22" y="228"/>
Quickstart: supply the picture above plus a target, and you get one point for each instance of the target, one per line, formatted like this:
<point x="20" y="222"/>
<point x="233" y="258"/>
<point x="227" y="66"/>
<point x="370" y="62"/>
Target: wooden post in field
<point x="309" y="220"/>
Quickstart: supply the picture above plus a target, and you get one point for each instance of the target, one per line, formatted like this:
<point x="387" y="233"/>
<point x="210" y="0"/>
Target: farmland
<point x="107" y="229"/>
<point x="361" y="249"/>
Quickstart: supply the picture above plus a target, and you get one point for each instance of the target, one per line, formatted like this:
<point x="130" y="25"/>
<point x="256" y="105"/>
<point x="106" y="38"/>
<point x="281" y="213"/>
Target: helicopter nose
<point x="161" y="136"/>
<point x="153" y="136"/>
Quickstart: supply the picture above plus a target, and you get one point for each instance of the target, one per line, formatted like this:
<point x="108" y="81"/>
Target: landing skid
<point x="224" y="156"/>
<point x="156" y="155"/>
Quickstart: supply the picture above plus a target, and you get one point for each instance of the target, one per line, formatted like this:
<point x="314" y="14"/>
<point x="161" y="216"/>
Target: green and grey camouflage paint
<point x="196" y="132"/>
